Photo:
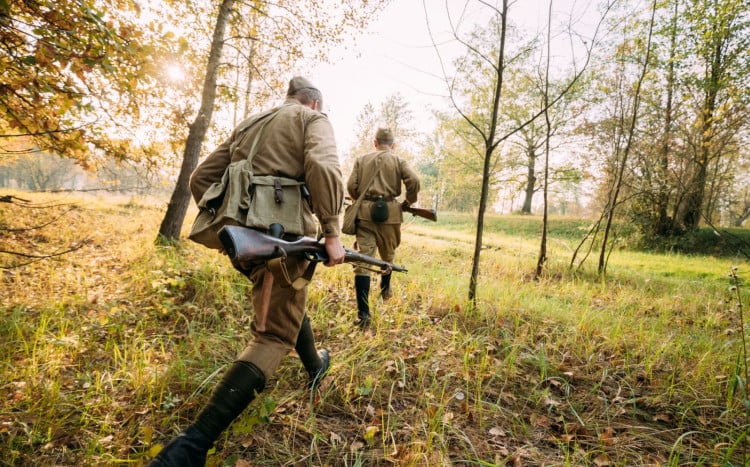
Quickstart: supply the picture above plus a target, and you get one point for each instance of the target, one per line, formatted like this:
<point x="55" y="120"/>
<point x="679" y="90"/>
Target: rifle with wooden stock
<point x="246" y="247"/>
<point x="429" y="214"/>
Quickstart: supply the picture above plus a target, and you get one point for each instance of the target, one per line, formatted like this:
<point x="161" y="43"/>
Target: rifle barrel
<point x="357" y="257"/>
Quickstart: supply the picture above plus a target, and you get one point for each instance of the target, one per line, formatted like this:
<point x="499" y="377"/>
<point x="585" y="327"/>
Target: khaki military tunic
<point x="392" y="172"/>
<point x="297" y="143"/>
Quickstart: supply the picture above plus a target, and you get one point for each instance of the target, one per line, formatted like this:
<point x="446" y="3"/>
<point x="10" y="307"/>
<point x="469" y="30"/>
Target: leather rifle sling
<point x="265" y="301"/>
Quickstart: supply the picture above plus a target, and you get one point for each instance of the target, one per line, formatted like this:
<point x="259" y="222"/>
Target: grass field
<point x="108" y="351"/>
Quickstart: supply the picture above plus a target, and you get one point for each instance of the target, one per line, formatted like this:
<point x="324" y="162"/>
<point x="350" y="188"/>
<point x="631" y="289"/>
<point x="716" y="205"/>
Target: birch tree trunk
<point x="171" y="225"/>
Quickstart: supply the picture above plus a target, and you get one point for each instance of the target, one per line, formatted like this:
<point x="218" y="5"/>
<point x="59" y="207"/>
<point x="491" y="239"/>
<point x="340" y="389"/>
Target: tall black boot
<point x="362" y="288"/>
<point x="385" y="286"/>
<point x="316" y="362"/>
<point x="237" y="388"/>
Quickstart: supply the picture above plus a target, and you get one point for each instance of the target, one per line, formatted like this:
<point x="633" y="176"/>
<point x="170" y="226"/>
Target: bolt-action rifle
<point x="246" y="247"/>
<point x="429" y="214"/>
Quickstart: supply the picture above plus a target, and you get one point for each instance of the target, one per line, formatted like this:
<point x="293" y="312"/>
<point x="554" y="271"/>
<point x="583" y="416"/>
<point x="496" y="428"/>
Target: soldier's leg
<point x="286" y="312"/>
<point x="316" y="362"/>
<point x="245" y="378"/>
<point x="362" y="291"/>
<point x="385" y="286"/>
<point x="388" y="239"/>
<point x="367" y="244"/>
<point x="237" y="388"/>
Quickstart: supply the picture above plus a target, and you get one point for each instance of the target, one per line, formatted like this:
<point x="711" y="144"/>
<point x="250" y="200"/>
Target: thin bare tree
<point x="625" y="133"/>
<point x="542" y="258"/>
<point x="285" y="33"/>
<point x="171" y="225"/>
<point x="482" y="116"/>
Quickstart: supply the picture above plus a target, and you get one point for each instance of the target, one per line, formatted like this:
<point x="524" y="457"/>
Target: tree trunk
<point x="619" y="178"/>
<point x="542" y="259"/>
<point x="171" y="225"/>
<point x="249" y="84"/>
<point x="694" y="200"/>
<point x="530" y="179"/>
<point x="665" y="224"/>
<point x="745" y="214"/>
<point x="490" y="146"/>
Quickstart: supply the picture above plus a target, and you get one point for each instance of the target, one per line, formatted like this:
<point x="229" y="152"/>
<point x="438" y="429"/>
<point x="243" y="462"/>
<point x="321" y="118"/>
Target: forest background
<point x="628" y="115"/>
<point x="646" y="99"/>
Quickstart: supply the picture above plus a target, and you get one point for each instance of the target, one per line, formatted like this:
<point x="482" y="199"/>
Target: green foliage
<point x="724" y="242"/>
<point x="686" y="162"/>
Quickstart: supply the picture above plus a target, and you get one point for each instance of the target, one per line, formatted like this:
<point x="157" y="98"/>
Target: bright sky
<point x="396" y="55"/>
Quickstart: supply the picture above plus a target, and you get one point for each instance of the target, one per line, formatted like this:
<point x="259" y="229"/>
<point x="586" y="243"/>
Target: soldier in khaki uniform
<point x="377" y="229"/>
<point x="297" y="143"/>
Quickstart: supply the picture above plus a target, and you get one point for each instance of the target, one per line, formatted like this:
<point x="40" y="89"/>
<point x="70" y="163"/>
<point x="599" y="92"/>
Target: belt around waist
<point x="375" y="198"/>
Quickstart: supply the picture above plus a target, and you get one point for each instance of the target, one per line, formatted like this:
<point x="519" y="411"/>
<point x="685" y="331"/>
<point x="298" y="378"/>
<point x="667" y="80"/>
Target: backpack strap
<point x="281" y="274"/>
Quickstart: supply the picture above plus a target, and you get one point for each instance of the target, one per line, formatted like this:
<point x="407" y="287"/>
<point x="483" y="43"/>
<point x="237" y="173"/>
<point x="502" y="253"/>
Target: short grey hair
<point x="307" y="96"/>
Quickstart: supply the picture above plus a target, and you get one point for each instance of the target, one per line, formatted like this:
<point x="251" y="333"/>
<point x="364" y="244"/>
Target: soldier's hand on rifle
<point x="405" y="204"/>
<point x="335" y="251"/>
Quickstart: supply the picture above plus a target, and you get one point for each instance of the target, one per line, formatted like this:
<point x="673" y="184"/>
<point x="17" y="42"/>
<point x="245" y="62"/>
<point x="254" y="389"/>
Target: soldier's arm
<point x="210" y="170"/>
<point x="352" y="185"/>
<point x="411" y="181"/>
<point x="323" y="174"/>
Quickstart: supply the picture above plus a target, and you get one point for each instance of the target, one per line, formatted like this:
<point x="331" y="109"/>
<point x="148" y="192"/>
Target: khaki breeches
<point x="383" y="238"/>
<point x="285" y="313"/>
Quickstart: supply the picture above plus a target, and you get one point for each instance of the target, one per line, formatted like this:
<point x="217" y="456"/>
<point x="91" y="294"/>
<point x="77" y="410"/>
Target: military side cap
<point x="297" y="83"/>
<point x="384" y="136"/>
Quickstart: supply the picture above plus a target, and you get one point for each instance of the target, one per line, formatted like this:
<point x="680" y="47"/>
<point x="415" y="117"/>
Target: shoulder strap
<point x="241" y="130"/>
<point x="367" y="184"/>
<point x="264" y="117"/>
<point x="267" y="117"/>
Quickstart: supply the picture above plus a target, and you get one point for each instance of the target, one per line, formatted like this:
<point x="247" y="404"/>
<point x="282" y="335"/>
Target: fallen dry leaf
<point x="567" y="438"/>
<point x="540" y="420"/>
<point x="602" y="460"/>
<point x="496" y="431"/>
<point x="608" y="436"/>
<point x="574" y="428"/>
<point x="549" y="402"/>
